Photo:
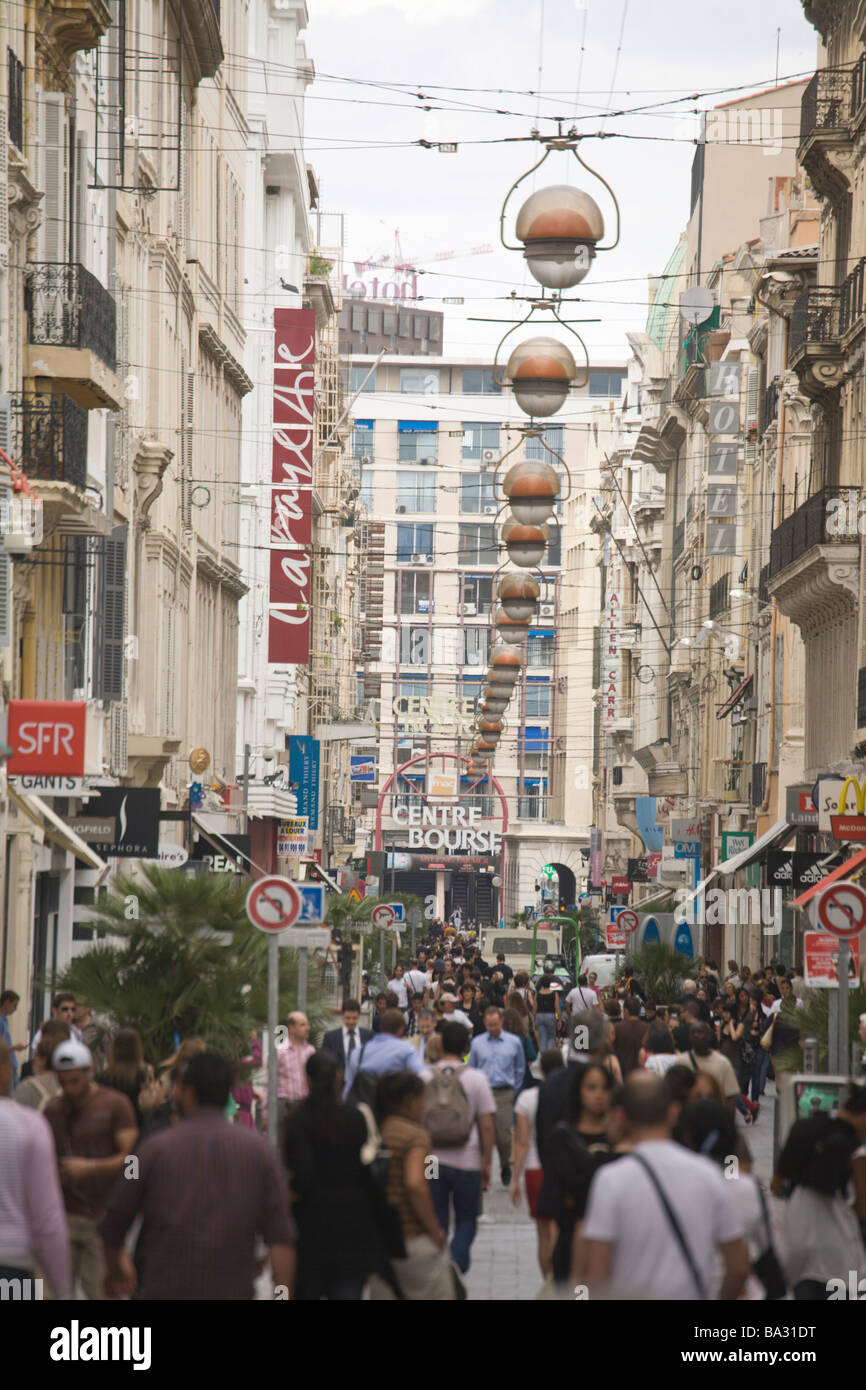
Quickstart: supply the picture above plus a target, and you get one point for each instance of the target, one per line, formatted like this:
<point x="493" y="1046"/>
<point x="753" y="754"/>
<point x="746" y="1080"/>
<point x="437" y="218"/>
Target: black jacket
<point x="332" y="1044"/>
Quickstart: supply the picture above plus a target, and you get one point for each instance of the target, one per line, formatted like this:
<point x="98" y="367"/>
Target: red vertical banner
<point x="290" y="592"/>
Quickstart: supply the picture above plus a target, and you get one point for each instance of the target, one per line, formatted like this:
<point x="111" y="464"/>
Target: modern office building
<point x="429" y="440"/>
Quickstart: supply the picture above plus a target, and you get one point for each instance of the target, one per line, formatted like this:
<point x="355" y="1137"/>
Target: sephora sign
<point x="291" y="487"/>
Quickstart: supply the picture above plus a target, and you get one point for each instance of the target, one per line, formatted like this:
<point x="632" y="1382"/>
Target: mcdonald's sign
<point x="845" y="827"/>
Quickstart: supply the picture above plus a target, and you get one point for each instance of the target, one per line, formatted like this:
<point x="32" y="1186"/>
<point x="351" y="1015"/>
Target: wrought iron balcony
<point x="826" y="103"/>
<point x="851" y="296"/>
<point x="50" y="438"/>
<point x="816" y="317"/>
<point x="68" y="307"/>
<point x="807" y="527"/>
<point x="771" y="405"/>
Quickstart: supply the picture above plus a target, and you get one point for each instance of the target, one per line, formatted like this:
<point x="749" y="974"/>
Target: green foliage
<point x="163" y="972"/>
<point x="319" y="266"/>
<point x="659" y="968"/>
<point x="813" y="1021"/>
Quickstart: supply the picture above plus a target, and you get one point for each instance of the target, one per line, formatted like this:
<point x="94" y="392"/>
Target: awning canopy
<point x="734" y="698"/>
<point x="856" y="863"/>
<point x="780" y="833"/>
<point x="56" y="829"/>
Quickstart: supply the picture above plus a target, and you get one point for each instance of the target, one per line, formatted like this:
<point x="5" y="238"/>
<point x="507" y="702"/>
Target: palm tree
<point x="659" y="968"/>
<point x="180" y="958"/>
<point x="813" y="1021"/>
<point x="352" y="916"/>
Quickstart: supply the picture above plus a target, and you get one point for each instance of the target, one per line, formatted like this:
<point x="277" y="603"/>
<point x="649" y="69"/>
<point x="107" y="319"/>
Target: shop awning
<point x="696" y="892"/>
<point x="856" y="863"/>
<point x="780" y="834"/>
<point x="734" y="698"/>
<point x="55" y="829"/>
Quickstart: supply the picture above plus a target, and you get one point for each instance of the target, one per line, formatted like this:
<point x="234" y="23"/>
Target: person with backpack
<point x="458" y="1114"/>
<point x="822" y="1176"/>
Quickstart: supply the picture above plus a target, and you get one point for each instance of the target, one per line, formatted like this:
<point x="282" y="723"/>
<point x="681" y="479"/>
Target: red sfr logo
<point x="46" y="737"/>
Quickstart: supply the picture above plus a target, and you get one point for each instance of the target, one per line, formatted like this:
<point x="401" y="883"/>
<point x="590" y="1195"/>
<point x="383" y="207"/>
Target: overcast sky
<point x="442" y="203"/>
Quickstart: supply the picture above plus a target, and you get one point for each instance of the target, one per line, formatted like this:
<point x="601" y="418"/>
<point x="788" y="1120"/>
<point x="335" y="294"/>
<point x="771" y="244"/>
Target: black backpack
<point x="817" y="1154"/>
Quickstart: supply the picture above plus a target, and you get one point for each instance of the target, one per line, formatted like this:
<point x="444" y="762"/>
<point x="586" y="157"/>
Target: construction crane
<point x="408" y="265"/>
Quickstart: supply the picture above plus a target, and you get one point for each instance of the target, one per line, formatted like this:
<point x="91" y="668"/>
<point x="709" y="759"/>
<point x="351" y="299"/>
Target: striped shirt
<point x="399" y="1136"/>
<point x="32" y="1218"/>
<point x="206" y="1190"/>
<point x="292" y="1070"/>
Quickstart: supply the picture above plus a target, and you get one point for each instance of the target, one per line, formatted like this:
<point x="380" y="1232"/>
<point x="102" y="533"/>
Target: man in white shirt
<point x="451" y="1013"/>
<point x="416" y="980"/>
<point x="581" y="997"/>
<point x="399" y="987"/>
<point x="631" y="1248"/>
<point x="64" y="1007"/>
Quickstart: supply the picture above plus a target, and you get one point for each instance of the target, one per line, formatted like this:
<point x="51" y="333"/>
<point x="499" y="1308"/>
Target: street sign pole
<point x="844" y="985"/>
<point x="382" y="955"/>
<point x="273" y="1012"/>
<point x="302" y="979"/>
<point x="833" y="1030"/>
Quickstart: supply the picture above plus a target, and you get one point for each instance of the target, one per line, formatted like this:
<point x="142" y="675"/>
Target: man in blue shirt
<point x="385" y="1052"/>
<point x="500" y="1056"/>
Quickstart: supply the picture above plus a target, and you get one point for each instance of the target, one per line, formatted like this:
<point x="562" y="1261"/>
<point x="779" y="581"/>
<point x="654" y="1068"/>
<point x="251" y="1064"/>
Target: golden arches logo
<point x="859" y="795"/>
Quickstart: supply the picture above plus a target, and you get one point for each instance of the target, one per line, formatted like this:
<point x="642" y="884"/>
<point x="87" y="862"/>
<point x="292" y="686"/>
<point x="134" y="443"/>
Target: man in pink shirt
<point x="32" y="1215"/>
<point x="292" y="1057"/>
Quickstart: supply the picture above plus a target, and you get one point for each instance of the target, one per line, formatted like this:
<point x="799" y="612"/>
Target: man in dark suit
<point x="342" y="1043"/>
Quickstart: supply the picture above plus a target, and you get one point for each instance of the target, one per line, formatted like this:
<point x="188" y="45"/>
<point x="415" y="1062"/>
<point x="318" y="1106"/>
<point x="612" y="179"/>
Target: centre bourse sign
<point x="446" y="828"/>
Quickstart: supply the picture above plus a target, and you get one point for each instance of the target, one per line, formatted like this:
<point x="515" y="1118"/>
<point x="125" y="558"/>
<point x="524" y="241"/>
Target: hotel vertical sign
<point x="291" y="487"/>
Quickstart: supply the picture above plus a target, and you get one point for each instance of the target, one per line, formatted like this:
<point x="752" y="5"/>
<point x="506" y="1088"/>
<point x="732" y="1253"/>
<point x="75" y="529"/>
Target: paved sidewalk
<point x="504" y="1264"/>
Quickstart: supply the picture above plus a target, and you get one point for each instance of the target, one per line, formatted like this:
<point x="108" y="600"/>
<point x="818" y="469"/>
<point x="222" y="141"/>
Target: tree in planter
<point x="346" y="913"/>
<point x="659" y="968"/>
<point x="164" y="972"/>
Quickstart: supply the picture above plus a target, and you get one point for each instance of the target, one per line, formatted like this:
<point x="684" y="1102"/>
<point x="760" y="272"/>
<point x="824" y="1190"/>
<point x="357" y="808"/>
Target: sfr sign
<point x="47" y="737"/>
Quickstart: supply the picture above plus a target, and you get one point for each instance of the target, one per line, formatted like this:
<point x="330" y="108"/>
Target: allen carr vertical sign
<point x="292" y="487"/>
<point x="610" y="658"/>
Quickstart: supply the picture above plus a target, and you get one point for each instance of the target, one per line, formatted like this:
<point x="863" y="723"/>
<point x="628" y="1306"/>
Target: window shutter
<point x="6" y="424"/>
<point x="168" y="669"/>
<point x="5" y="600"/>
<point x="113" y="614"/>
<point x="53" y="177"/>
<point x="4" y="200"/>
<point x="119" y="732"/>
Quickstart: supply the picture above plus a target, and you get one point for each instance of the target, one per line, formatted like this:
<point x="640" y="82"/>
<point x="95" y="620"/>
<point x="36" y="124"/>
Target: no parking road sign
<point x="842" y="909"/>
<point x="273" y="903"/>
<point x="383" y="916"/>
<point x="628" y="921"/>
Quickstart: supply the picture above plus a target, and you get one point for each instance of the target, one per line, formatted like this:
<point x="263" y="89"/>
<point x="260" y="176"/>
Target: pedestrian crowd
<point x="612" y="1116"/>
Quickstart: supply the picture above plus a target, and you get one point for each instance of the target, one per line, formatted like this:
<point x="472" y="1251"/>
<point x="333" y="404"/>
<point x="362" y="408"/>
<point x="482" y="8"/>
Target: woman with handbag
<point x="424" y="1272"/>
<point x="759" y="1036"/>
<point x="707" y="1127"/>
<point x="333" y="1200"/>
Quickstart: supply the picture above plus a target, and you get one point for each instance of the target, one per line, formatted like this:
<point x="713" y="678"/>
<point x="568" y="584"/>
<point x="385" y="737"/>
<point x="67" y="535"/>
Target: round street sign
<point x="627" y="921"/>
<point x="383" y="916"/>
<point x="273" y="904"/>
<point x="842" y="909"/>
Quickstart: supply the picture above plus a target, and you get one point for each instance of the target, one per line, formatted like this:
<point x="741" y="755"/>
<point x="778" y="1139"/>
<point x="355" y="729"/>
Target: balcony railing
<point x="51" y="438"/>
<point x="679" y="538"/>
<point x="816" y="317"/>
<point x="852" y="302"/>
<point x="827" y="101"/>
<point x="807" y="527"/>
<point x="68" y="307"/>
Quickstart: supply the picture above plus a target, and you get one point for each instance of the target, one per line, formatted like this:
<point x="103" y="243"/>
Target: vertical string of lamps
<point x="559" y="230"/>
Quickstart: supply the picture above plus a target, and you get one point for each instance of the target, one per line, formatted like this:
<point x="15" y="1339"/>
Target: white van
<point x="607" y="967"/>
<point x="516" y="947"/>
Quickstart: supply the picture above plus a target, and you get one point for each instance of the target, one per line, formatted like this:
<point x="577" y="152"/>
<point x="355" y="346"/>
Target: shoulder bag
<point x="767" y="1267"/>
<point x="675" y="1227"/>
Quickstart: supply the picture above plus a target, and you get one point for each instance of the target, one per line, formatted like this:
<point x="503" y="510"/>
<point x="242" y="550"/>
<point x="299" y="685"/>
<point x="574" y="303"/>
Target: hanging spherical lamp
<point x="493" y="703"/>
<point x="511" y="630"/>
<point x="531" y="489"/>
<point x="541" y="371"/>
<point x="488" y="724"/>
<point x="560" y="227"/>
<point x="519" y="595"/>
<point x="525" y="544"/>
<point x="504" y="662"/>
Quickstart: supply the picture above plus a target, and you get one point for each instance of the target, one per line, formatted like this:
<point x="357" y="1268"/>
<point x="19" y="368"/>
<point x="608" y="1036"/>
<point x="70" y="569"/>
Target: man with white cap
<point x="451" y="1013"/>
<point x="94" y="1130"/>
